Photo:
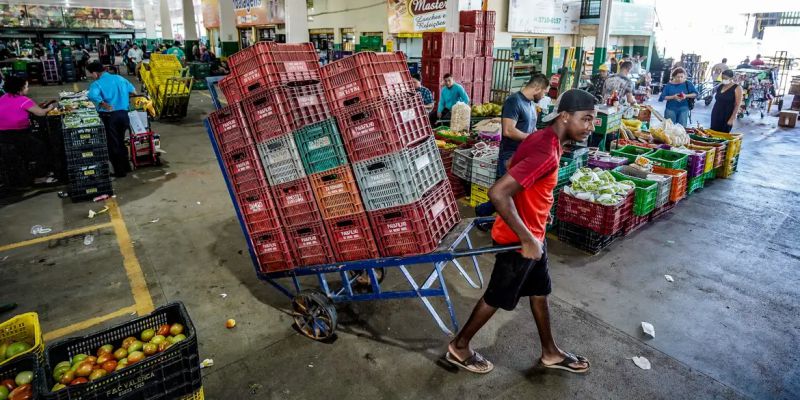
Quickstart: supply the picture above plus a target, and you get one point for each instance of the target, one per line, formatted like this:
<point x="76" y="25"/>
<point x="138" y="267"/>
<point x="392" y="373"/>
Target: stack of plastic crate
<point x="87" y="161"/>
<point x="482" y="25"/>
<point x="390" y="144"/>
<point x="442" y="53"/>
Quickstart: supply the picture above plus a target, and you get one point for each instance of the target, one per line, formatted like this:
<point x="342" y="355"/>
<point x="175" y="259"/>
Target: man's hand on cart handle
<point x="532" y="249"/>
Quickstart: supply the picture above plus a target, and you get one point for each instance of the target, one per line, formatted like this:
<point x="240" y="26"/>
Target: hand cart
<point x="143" y="143"/>
<point x="50" y="71"/>
<point x="313" y="309"/>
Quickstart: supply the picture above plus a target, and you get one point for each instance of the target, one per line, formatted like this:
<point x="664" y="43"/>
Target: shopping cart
<point x="313" y="308"/>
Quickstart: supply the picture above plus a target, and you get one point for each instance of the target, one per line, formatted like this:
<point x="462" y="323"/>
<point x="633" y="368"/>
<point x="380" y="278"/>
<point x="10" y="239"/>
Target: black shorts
<point x="515" y="277"/>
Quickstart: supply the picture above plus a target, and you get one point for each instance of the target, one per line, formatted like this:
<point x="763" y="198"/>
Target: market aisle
<point x="734" y="244"/>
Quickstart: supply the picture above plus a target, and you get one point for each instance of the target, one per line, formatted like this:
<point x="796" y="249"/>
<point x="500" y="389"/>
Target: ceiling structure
<point x="77" y="3"/>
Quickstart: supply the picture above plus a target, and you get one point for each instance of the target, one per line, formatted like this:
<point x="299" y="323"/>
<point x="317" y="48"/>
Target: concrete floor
<point x="726" y="328"/>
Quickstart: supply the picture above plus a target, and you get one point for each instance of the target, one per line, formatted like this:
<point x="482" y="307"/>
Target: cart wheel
<point x="762" y="114"/>
<point x="708" y="100"/>
<point x="314" y="314"/>
<point x="362" y="282"/>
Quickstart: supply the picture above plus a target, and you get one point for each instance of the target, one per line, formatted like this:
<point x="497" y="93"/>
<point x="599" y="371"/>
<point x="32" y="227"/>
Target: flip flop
<point x="474" y="363"/>
<point x="564" y="365"/>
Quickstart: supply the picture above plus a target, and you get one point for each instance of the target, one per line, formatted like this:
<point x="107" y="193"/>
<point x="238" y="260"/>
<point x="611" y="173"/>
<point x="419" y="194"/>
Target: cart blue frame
<point x="457" y="244"/>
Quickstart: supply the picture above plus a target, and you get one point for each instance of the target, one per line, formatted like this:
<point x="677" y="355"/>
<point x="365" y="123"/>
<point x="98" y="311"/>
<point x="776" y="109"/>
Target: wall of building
<point x="361" y="15"/>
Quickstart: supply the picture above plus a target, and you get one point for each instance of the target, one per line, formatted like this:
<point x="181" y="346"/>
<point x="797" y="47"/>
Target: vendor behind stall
<point x="451" y="94"/>
<point x="15" y="127"/>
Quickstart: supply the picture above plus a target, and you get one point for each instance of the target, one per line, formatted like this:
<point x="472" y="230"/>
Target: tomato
<point x="163" y="346"/>
<point x="67" y="378"/>
<point x="78" y="358"/>
<point x="57" y="387"/>
<point x="157" y="339"/>
<point x="97" y="374"/>
<point x="91" y="359"/>
<point x="135" y="346"/>
<point x="24" y="378"/>
<point x="176" y="329"/>
<point x="149" y="349"/>
<point x="135" y="357"/>
<point x="105" y="357"/>
<point x="78" y="381"/>
<point x="147" y="334"/>
<point x="4" y="392"/>
<point x="105" y="349"/>
<point x="178" y="338"/>
<point x="9" y="384"/>
<point x="127" y="342"/>
<point x="120" y="354"/>
<point x="110" y="365"/>
<point x="163" y="330"/>
<point x="84" y="369"/>
<point x="24" y="392"/>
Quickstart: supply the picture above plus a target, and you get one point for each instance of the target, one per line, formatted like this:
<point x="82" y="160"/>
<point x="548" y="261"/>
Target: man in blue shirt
<point x="111" y="94"/>
<point x="517" y="123"/>
<point x="427" y="96"/>
<point x="177" y="51"/>
<point x="451" y="94"/>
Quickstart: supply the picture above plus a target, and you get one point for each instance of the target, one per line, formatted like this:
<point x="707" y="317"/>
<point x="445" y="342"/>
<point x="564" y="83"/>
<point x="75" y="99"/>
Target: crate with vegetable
<point x="596" y="200"/>
<point x="645" y="194"/>
<point x="19" y="378"/>
<point x="20" y="335"/>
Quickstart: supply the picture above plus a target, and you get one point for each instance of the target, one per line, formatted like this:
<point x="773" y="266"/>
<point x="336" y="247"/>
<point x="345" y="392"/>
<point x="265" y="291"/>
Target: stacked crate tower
<point x="87" y="162"/>
<point x="389" y="143"/>
<point x="480" y="25"/>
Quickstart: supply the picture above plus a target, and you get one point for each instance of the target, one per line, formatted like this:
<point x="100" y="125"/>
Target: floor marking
<point x="141" y="294"/>
<point x="87" y="323"/>
<point x="55" y="236"/>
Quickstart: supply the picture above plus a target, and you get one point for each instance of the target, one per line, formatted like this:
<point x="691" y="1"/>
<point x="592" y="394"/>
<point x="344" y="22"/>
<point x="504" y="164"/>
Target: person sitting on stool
<point x="15" y="126"/>
<point x="451" y="94"/>
<point x="111" y="94"/>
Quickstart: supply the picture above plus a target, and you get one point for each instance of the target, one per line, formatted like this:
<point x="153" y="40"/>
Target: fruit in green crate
<point x="23" y="378"/>
<point x="147" y="335"/>
<point x="16" y="348"/>
<point x="120" y="354"/>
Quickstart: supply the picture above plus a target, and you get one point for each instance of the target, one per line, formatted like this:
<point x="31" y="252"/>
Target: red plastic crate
<point x="479" y="32"/>
<point x="456" y="68"/>
<point x="366" y="76"/>
<point x="295" y="202"/>
<point x="605" y="220"/>
<point x="486" y="48"/>
<point x="471" y="17"/>
<point x="258" y="210"/>
<point x="336" y="192"/>
<point x="310" y="244"/>
<point x="307" y="104"/>
<point x="433" y="69"/>
<point x="470" y="44"/>
<point x="246" y="69"/>
<point x="438" y="44"/>
<point x="468" y="88"/>
<point x="487" y="92"/>
<point x="478" y="64"/>
<point x="458" y="44"/>
<point x="476" y="97"/>
<point x="382" y="127"/>
<point x="488" y="33"/>
<point x="634" y="223"/>
<point x="244" y="169"/>
<point x="489" y="18"/>
<point x="230" y="128"/>
<point x="289" y="62"/>
<point x="467" y="70"/>
<point x="272" y="251"/>
<point x="230" y="89"/>
<point x="488" y="69"/>
<point x="268" y="114"/>
<point x="351" y="237"/>
<point x="416" y="228"/>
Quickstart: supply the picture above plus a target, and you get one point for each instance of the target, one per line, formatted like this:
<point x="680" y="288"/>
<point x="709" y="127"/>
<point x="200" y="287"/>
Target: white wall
<point x="361" y="15"/>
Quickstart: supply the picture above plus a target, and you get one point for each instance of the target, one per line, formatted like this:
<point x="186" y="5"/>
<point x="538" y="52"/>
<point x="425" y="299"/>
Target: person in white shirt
<point x="135" y="55"/>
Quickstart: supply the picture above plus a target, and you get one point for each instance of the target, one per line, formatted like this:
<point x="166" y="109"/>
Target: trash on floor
<point x="649" y="329"/>
<point x="101" y="198"/>
<point x="88" y="240"/>
<point x="207" y="363"/>
<point x="93" y="213"/>
<point x="641" y="362"/>
<point x="40" y="230"/>
<point x="223" y="295"/>
<point x="230" y="324"/>
<point x="669" y="278"/>
<point x="153" y="221"/>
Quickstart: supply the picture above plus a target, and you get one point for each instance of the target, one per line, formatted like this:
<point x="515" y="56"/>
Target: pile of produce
<point x="460" y="117"/>
<point x="82" y="118"/>
<point x="10" y="349"/>
<point x="84" y="368"/>
<point x="19" y="388"/>
<point x="445" y="145"/>
<point x="598" y="186"/>
<point x="486" y="110"/>
<point x="671" y="134"/>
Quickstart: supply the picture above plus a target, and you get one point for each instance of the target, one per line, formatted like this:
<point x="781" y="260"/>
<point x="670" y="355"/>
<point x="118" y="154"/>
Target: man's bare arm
<point x="502" y="196"/>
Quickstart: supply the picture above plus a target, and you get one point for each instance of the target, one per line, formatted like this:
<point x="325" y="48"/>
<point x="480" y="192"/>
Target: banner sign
<point x="210" y="13"/>
<point x="411" y="16"/>
<point x="259" y="12"/>
<point x="559" y="17"/>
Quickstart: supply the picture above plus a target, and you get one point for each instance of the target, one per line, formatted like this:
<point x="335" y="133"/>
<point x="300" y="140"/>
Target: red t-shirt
<point x="535" y="167"/>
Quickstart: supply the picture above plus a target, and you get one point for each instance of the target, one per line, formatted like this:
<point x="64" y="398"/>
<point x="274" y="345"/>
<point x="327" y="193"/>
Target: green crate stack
<point x="566" y="169"/>
<point x="370" y="43"/>
<point x="668" y="159"/>
<point x="645" y="193"/>
<point x="199" y="71"/>
<point x="320" y="146"/>
<point x="695" y="184"/>
<point x="631" y="152"/>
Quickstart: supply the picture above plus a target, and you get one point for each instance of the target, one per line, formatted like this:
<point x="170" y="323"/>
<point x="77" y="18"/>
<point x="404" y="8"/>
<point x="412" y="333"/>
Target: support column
<point x="228" y="41"/>
<point x="603" y="30"/>
<point x="189" y="29"/>
<point x="166" y="21"/>
<point x="296" y="22"/>
<point x="150" y="21"/>
<point x="649" y="51"/>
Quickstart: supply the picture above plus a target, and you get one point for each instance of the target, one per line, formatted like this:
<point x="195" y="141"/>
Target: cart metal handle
<point x="485" y="250"/>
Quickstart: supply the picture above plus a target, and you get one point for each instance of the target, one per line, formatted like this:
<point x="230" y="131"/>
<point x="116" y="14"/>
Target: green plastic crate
<point x="631" y="152"/>
<point x="668" y="159"/>
<point x="567" y="167"/>
<point x="695" y="184"/>
<point x="320" y="146"/>
<point x="710" y="175"/>
<point x="645" y="194"/>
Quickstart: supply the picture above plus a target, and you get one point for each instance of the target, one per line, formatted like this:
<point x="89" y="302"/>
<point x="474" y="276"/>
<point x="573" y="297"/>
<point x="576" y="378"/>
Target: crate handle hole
<point x="393" y="215"/>
<point x="376" y="166"/>
<point x="304" y="231"/>
<point x="331" y="177"/>
<point x="348" y="222"/>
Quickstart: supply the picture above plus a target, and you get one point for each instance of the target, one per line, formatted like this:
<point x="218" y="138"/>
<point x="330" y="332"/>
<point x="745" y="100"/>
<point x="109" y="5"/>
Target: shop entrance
<point x="530" y="57"/>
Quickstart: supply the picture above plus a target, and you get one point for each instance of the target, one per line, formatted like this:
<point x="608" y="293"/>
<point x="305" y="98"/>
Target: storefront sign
<point x="210" y="13"/>
<point x="544" y="16"/>
<point x="259" y="12"/>
<point x="408" y="16"/>
<point x="632" y="19"/>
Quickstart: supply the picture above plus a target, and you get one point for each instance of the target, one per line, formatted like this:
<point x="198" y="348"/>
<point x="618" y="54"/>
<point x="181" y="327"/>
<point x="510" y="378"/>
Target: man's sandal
<point x="474" y="363"/>
<point x="564" y="365"/>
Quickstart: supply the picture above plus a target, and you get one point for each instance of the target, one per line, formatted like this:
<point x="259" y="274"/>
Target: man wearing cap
<point x="523" y="198"/>
<point x="598" y="82"/>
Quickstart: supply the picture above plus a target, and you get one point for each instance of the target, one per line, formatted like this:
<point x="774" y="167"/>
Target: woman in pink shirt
<point x="15" y="110"/>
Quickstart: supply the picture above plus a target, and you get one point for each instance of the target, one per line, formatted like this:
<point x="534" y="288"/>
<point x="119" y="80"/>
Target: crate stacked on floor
<point x="86" y="150"/>
<point x="447" y="154"/>
<point x="165" y="85"/>
<point x="480" y="25"/>
<point x="394" y="156"/>
<point x="68" y="70"/>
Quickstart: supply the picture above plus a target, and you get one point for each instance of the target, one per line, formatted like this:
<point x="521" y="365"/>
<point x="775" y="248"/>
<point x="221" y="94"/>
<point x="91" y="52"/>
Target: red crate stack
<point x="230" y="89"/>
<point x="268" y="114"/>
<point x="458" y="44"/>
<point x="295" y="203"/>
<point x="230" y="129"/>
<point x="488" y="69"/>
<point x="455" y="182"/>
<point x="470" y="44"/>
<point x="288" y="62"/>
<point x="351" y="237"/>
<point x="479" y="26"/>
<point x="471" y="18"/>
<point x="457" y="68"/>
<point x="468" y="90"/>
<point x="365" y="76"/>
<point x="467" y="70"/>
<point x="246" y="69"/>
<point x="438" y="44"/>
<point x="272" y="251"/>
<point x="478" y="64"/>
<point x="310" y="244"/>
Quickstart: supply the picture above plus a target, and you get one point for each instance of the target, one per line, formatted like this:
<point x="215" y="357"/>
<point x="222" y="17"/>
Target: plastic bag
<point x="460" y="117"/>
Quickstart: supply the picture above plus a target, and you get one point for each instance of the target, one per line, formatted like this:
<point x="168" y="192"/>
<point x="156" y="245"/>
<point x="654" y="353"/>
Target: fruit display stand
<point x="313" y="308"/>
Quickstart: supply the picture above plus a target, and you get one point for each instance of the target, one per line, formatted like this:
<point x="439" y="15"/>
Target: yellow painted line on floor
<point x="87" y="323"/>
<point x="141" y="294"/>
<point x="55" y="236"/>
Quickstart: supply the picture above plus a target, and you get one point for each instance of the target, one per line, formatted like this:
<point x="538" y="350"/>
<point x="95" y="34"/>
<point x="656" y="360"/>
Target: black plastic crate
<point x="90" y="175"/>
<point x="86" y="155"/>
<point x="584" y="238"/>
<point x="90" y="190"/>
<point x="173" y="374"/>
<point x="75" y="138"/>
<point x="24" y="363"/>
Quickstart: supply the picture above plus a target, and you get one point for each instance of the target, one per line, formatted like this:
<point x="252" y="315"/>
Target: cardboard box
<point x="788" y="118"/>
